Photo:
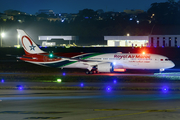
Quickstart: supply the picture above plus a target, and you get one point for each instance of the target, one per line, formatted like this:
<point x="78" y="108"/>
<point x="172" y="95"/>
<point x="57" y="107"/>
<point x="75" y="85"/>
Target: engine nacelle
<point x="105" y="67"/>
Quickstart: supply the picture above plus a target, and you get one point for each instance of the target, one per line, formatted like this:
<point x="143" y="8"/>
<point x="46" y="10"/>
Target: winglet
<point x="28" y="44"/>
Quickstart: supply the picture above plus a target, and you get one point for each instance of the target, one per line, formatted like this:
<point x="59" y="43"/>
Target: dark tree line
<point x="166" y="13"/>
<point x="90" y="29"/>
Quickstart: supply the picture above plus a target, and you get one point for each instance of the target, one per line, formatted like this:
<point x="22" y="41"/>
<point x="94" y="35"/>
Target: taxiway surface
<point x="115" y="84"/>
<point x="104" y="104"/>
<point x="89" y="105"/>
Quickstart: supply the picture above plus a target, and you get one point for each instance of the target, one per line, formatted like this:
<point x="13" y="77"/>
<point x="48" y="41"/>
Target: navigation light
<point x="51" y="55"/>
<point x="59" y="80"/>
<point x="108" y="88"/>
<point x="20" y="88"/>
<point x="18" y="46"/>
<point x="165" y="89"/>
<point x="119" y="70"/>
<point x="114" y="63"/>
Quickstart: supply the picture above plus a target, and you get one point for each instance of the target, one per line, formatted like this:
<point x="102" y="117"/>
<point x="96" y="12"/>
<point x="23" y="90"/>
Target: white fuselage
<point x="128" y="61"/>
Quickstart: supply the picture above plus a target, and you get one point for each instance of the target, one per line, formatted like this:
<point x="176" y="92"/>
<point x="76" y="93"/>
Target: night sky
<point x="73" y="6"/>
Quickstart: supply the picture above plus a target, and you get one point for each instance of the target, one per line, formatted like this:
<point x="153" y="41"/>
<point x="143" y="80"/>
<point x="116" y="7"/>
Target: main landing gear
<point x="93" y="71"/>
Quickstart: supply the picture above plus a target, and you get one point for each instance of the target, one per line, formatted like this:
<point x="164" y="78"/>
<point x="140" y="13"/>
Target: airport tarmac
<point x="117" y="85"/>
<point x="110" y="79"/>
<point x="89" y="105"/>
<point x="80" y="74"/>
<point x="77" y="73"/>
<point x="104" y="104"/>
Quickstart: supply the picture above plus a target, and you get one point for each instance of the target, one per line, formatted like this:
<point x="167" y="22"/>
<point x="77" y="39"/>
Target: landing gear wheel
<point x="87" y="72"/>
<point x="90" y="72"/>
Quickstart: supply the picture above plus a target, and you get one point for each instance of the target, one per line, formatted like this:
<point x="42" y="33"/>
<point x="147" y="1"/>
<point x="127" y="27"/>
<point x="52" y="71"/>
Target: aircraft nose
<point x="171" y="64"/>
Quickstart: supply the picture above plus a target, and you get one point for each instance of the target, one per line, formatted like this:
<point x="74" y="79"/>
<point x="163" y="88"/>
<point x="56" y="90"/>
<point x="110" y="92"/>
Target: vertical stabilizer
<point x="29" y="46"/>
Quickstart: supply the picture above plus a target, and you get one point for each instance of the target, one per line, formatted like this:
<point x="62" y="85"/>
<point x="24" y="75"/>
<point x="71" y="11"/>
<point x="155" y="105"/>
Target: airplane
<point x="93" y="62"/>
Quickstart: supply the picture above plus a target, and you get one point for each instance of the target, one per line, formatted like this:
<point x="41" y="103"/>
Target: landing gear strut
<point x="161" y="70"/>
<point x="93" y="71"/>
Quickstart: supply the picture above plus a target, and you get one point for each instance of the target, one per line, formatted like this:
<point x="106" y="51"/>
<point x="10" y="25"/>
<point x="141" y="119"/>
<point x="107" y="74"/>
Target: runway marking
<point x="117" y="116"/>
<point x="147" y="111"/>
<point x="109" y="109"/>
<point x="30" y="112"/>
<point x="42" y="117"/>
<point x="167" y="110"/>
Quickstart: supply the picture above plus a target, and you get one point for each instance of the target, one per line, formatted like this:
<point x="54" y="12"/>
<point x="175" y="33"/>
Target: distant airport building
<point x="51" y="44"/>
<point x="144" y="41"/>
<point x="126" y="41"/>
<point x="48" y="40"/>
<point x="164" y="40"/>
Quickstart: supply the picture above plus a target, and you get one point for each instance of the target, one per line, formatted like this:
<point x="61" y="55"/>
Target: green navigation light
<point x="59" y="80"/>
<point x="51" y="55"/>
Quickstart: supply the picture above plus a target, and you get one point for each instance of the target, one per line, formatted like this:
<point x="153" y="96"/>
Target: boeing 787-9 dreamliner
<point x="93" y="62"/>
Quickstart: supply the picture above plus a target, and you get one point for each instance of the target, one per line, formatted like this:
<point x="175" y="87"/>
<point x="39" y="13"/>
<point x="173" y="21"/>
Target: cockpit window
<point x="166" y="59"/>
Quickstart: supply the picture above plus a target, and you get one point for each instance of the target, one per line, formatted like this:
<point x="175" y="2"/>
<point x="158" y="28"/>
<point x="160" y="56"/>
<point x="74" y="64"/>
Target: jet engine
<point x="105" y="67"/>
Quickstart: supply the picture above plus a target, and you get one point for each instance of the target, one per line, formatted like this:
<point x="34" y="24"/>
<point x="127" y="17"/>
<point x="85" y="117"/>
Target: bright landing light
<point x="2" y="34"/>
<point x="119" y="70"/>
<point x="59" y="80"/>
<point x="143" y="53"/>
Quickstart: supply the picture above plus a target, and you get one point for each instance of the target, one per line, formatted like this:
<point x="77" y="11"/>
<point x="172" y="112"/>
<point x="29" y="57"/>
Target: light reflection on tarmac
<point x="86" y="84"/>
<point x="99" y="74"/>
<point x="83" y="74"/>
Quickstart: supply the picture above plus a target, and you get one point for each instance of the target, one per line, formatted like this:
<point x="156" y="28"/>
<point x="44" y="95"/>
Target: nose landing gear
<point x="161" y="70"/>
